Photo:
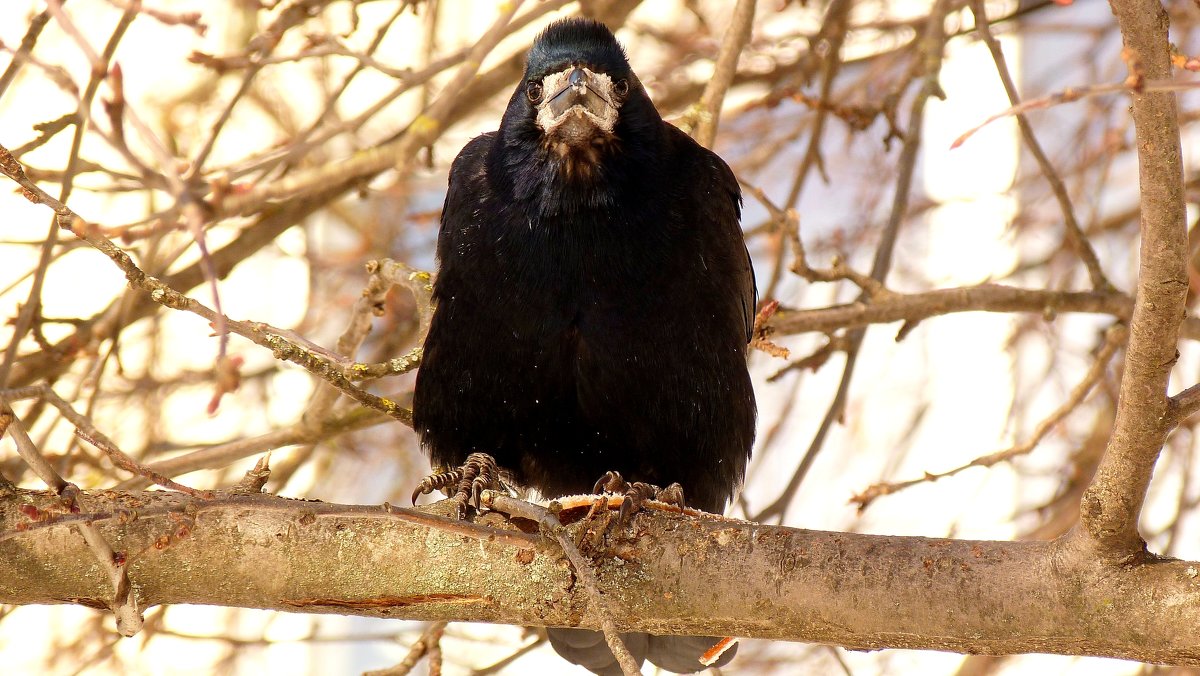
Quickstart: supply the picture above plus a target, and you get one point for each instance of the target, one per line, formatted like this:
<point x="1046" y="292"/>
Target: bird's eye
<point x="621" y="87"/>
<point x="534" y="91"/>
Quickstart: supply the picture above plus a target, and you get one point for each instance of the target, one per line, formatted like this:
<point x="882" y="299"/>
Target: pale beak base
<point x="578" y="105"/>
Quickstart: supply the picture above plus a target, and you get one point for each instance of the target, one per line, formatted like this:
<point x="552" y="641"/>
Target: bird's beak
<point x="582" y="88"/>
<point x="579" y="105"/>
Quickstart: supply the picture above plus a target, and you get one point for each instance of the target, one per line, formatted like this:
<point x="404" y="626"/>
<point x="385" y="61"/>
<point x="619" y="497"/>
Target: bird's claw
<point x="436" y="481"/>
<point x="476" y="475"/>
<point x="611" y="482"/>
<point x="636" y="494"/>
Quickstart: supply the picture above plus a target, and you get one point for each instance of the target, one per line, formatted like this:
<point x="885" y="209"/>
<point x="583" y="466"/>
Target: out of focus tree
<point x="970" y="222"/>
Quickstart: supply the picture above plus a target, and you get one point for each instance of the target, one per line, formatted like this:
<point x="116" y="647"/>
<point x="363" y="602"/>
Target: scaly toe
<point x="611" y="482"/>
<point x="671" y="495"/>
<point x="436" y="481"/>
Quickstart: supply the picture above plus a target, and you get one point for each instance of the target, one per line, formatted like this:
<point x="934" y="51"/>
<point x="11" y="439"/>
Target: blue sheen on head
<point x="576" y="41"/>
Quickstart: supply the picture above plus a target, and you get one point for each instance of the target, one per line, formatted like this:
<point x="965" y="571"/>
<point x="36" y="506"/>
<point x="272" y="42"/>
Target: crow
<point x="594" y="301"/>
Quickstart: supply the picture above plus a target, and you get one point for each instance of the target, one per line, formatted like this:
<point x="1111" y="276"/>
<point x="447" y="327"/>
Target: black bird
<point x="594" y="301"/>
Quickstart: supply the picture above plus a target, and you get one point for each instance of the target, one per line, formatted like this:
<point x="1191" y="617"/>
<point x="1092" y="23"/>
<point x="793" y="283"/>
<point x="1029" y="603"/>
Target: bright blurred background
<point x="343" y="78"/>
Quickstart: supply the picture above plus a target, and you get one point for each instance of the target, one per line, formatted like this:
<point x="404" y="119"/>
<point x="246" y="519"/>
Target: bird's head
<point x="576" y="88"/>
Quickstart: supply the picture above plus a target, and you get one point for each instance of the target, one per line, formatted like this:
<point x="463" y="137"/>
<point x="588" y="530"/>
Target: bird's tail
<point x="680" y="654"/>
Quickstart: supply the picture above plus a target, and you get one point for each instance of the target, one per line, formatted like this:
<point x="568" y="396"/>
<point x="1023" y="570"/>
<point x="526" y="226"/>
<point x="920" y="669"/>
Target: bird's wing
<point x="726" y="214"/>
<point x="749" y="285"/>
<point x="446" y="429"/>
<point x="466" y="190"/>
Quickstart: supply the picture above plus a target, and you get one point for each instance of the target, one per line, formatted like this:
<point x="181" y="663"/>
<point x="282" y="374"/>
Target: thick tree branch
<point x="1112" y="504"/>
<point x="682" y="575"/>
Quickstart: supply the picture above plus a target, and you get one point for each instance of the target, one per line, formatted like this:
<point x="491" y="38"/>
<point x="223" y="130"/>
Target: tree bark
<point x="680" y="575"/>
<point x="1112" y="505"/>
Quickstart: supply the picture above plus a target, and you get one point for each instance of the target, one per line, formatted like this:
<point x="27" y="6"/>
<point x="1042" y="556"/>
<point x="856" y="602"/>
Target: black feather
<point x="592" y="311"/>
<point x="576" y="41"/>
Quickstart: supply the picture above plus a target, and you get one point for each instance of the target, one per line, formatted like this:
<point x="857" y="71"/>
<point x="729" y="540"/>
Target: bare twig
<point x="429" y="643"/>
<point x="517" y="654"/>
<point x="550" y="525"/>
<point x="293" y="13"/>
<point x="932" y="44"/>
<point x="1185" y="404"/>
<point x="164" y="295"/>
<point x="383" y="276"/>
<point x="32" y="306"/>
<point x="130" y="465"/>
<point x="1114" y="339"/>
<point x="27" y="450"/>
<point x="88" y="432"/>
<point x="194" y="218"/>
<point x="708" y="109"/>
<point x="36" y="25"/>
<point x="1074" y="233"/>
<point x="916" y="307"/>
<point x="191" y="20"/>
<point x="832" y="36"/>
<point x="220" y="455"/>
<point x="423" y="130"/>
<point x="124" y="604"/>
<point x="1134" y="88"/>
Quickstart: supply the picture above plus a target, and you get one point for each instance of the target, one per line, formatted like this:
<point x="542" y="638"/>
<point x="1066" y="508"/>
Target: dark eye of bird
<point x="621" y="87"/>
<point x="534" y="91"/>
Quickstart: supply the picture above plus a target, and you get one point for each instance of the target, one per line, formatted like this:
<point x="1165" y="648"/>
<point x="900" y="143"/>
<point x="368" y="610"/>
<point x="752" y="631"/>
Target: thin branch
<point x="28" y="450"/>
<point x="194" y="218"/>
<point x="500" y="665"/>
<point x="549" y="524"/>
<point x="1114" y="338"/>
<point x="382" y="276"/>
<point x="708" y="109"/>
<point x="120" y="459"/>
<point x="124" y="603"/>
<point x="36" y="25"/>
<point x="423" y="130"/>
<point x="261" y="45"/>
<point x="310" y="138"/>
<point x="164" y="295"/>
<point x="221" y="455"/>
<point x="88" y="432"/>
<point x="191" y="20"/>
<point x="33" y="304"/>
<point x="429" y="643"/>
<point x="833" y="34"/>
<point x="917" y="307"/>
<point x="1185" y="404"/>
<point x="932" y="44"/>
<point x="1134" y="87"/>
<point x="1074" y="233"/>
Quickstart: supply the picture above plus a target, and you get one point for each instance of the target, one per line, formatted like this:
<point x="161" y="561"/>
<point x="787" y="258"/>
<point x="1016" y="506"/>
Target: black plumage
<point x="594" y="297"/>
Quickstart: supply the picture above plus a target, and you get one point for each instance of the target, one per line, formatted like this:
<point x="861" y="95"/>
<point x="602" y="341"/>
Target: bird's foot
<point x="476" y="475"/>
<point x="636" y="494"/>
